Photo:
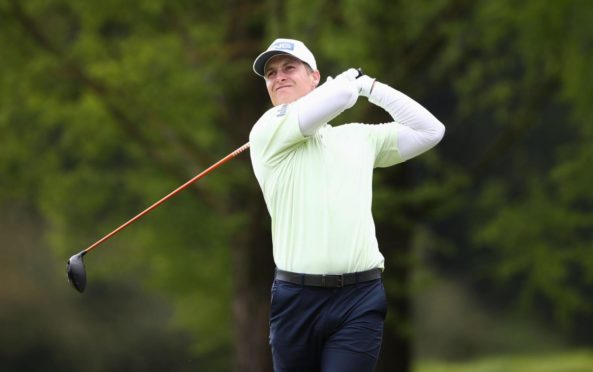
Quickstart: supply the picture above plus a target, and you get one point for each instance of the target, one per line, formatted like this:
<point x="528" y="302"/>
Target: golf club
<point x="76" y="270"/>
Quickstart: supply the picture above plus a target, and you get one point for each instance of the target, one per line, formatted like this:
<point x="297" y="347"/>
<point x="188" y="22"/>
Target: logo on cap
<point x="283" y="45"/>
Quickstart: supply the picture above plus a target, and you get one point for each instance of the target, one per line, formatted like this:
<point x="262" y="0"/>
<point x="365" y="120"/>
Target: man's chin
<point x="283" y="100"/>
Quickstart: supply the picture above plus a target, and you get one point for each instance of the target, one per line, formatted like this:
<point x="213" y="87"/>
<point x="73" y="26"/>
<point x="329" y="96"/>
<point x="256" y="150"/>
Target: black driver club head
<point x="76" y="272"/>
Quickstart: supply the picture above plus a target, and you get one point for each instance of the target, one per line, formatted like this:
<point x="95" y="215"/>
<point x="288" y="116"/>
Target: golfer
<point x="328" y="302"/>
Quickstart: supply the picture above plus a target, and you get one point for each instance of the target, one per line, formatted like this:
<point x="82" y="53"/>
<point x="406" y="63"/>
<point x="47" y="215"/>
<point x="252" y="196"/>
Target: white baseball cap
<point x="284" y="46"/>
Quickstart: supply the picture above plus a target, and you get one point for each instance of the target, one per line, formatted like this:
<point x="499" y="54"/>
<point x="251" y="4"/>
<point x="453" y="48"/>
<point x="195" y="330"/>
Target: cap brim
<point x="260" y="62"/>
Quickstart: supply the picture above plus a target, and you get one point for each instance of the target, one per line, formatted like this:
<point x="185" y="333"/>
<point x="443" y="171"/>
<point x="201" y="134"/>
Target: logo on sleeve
<point x="281" y="111"/>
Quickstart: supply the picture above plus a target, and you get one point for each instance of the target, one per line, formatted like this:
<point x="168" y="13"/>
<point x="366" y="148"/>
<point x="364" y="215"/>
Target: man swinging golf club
<point x="328" y="301"/>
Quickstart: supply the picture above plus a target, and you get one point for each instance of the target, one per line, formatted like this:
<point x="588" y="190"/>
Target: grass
<point x="574" y="361"/>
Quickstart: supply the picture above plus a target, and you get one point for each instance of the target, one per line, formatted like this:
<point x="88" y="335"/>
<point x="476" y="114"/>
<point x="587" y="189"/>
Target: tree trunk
<point x="395" y="242"/>
<point x="253" y="269"/>
<point x="396" y="351"/>
<point x="252" y="262"/>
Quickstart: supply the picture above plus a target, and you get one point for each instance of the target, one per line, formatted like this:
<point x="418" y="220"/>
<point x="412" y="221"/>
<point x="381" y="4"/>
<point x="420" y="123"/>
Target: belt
<point x="328" y="281"/>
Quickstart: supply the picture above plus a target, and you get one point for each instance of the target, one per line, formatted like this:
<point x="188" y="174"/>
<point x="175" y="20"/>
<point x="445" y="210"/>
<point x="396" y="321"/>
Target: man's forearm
<point x="326" y="102"/>
<point x="419" y="130"/>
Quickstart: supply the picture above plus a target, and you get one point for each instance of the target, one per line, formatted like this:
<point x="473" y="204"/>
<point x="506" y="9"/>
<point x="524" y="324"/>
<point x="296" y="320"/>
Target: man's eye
<point x="270" y="74"/>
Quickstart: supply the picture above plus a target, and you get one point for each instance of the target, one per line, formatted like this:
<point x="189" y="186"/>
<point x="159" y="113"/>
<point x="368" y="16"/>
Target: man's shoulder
<point x="275" y="112"/>
<point x="276" y="127"/>
<point x="273" y="115"/>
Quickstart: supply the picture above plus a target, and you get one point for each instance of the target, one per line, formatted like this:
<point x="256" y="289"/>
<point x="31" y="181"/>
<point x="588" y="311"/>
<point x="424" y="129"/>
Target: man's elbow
<point x="439" y="131"/>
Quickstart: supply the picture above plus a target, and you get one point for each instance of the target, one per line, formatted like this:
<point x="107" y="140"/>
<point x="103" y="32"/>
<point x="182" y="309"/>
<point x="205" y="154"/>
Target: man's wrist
<point x="365" y="85"/>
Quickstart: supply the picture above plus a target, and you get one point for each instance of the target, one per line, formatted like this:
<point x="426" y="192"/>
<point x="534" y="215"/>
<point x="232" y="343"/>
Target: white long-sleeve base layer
<point x="317" y="179"/>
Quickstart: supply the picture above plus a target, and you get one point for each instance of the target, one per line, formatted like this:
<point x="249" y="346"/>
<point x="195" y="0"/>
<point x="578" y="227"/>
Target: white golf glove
<point x="364" y="85"/>
<point x="348" y="75"/>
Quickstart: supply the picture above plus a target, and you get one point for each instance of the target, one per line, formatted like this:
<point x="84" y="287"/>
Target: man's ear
<point x="316" y="78"/>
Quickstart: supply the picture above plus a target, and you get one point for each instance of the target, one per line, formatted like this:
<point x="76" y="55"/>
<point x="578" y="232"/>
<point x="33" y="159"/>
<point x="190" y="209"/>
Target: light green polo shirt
<point x="318" y="190"/>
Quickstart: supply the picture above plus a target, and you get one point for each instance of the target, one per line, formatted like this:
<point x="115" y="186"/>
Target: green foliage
<point x="452" y="321"/>
<point x="537" y="221"/>
<point x="46" y="326"/>
<point x="105" y="109"/>
<point x="574" y="361"/>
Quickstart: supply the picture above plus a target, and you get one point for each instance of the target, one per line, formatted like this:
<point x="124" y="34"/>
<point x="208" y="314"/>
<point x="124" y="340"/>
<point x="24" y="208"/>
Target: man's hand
<point x="364" y="84"/>
<point x="349" y="75"/>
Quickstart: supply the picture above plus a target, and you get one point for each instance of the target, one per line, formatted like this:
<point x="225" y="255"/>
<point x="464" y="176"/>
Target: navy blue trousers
<point x="316" y="329"/>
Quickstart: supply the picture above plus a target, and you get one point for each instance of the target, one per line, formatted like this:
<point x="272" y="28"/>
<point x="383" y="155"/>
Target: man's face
<point x="288" y="79"/>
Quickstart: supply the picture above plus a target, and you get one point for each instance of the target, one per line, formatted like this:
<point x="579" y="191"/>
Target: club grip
<point x="360" y="73"/>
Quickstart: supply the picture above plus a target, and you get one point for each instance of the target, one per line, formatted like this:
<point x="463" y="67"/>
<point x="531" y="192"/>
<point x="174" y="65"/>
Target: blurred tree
<point x="107" y="107"/>
<point x="536" y="212"/>
<point x="46" y="328"/>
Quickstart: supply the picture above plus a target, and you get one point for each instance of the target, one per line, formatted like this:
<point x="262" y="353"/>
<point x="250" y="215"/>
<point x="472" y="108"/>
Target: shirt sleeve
<point x="273" y="137"/>
<point x="417" y="129"/>
<point x="383" y="138"/>
<point x="283" y="127"/>
<point x="324" y="104"/>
